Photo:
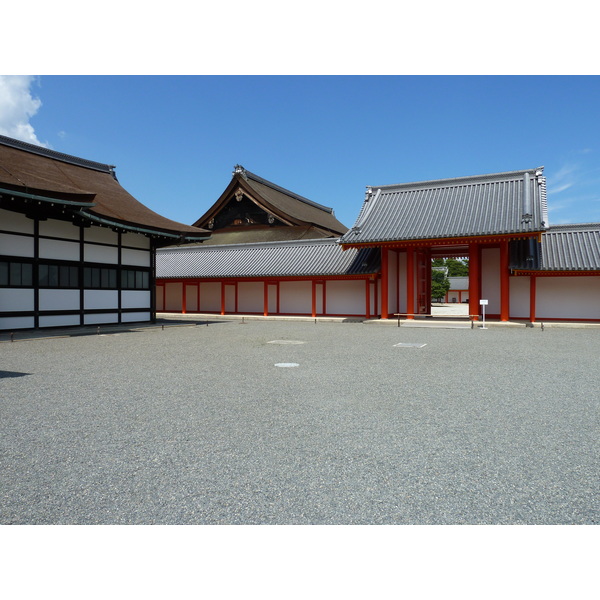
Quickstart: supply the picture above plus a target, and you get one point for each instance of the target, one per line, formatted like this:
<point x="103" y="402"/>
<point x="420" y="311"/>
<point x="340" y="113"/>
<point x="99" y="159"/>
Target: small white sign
<point x="483" y="302"/>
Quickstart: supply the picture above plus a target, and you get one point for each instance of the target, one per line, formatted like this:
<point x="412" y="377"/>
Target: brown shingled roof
<point x="29" y="169"/>
<point x="288" y="207"/>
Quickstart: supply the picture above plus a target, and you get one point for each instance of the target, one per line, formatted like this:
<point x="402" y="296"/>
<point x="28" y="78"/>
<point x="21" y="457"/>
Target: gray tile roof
<point x="497" y="203"/>
<point x="320" y="257"/>
<point x="571" y="248"/>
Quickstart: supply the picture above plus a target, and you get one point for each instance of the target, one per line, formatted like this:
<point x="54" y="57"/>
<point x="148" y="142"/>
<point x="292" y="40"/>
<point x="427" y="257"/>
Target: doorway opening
<point x="449" y="284"/>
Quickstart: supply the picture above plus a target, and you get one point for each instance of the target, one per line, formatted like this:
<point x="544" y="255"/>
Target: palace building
<point x="274" y="252"/>
<point x="75" y="247"/>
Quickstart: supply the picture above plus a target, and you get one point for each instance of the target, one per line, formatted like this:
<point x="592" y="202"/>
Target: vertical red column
<point x="266" y="299"/>
<point x="532" y="293"/>
<point x="222" y="297"/>
<point x="504" y="283"/>
<point x="410" y="283"/>
<point x="183" y="297"/>
<point x="384" y="283"/>
<point x="474" y="280"/>
<point x="314" y="298"/>
<point x="367" y="299"/>
<point x="398" y="280"/>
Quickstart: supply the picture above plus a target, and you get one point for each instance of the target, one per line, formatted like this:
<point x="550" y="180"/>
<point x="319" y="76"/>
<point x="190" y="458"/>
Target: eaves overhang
<point x="64" y="200"/>
<point x="447" y="241"/>
<point x="555" y="273"/>
<point x="119" y="225"/>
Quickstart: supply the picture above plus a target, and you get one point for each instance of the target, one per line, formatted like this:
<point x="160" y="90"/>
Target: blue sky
<point x="175" y="139"/>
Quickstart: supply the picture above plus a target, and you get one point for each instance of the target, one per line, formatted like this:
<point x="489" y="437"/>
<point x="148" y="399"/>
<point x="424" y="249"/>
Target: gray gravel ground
<point x="196" y="425"/>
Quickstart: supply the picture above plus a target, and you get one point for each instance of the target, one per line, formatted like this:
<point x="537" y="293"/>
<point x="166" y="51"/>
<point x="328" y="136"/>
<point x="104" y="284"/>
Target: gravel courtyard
<point x="197" y="425"/>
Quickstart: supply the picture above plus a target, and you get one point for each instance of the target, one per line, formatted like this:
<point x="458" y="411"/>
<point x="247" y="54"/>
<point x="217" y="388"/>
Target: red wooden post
<point x="504" y="283"/>
<point x="532" y="294"/>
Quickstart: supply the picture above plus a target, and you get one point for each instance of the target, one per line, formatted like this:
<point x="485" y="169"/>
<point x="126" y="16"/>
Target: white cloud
<point x="17" y="107"/>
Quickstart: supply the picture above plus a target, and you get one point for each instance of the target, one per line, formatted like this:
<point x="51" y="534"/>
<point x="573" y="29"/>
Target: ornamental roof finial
<point x="239" y="169"/>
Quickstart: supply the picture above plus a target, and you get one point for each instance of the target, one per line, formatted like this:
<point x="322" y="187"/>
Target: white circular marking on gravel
<point x="287" y="365"/>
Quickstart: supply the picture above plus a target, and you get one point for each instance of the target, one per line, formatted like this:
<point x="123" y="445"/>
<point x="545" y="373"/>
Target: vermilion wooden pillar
<point x="266" y="299"/>
<point x="504" y="283"/>
<point x="222" y="297"/>
<point x="532" y="292"/>
<point x="314" y="298"/>
<point x="410" y="282"/>
<point x="474" y="280"/>
<point x="183" y="298"/>
<point x="384" y="283"/>
<point x="367" y="299"/>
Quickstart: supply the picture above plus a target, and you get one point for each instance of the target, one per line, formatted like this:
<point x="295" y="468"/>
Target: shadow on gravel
<point x="39" y="334"/>
<point x="4" y="374"/>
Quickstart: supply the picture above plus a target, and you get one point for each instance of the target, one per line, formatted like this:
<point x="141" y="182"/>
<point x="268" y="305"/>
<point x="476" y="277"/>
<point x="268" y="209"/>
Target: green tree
<point x="457" y="268"/>
<point x="439" y="285"/>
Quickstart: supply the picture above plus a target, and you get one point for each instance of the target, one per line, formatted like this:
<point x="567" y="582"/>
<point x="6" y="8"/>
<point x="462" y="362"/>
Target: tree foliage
<point x="439" y="285"/>
<point x="457" y="268"/>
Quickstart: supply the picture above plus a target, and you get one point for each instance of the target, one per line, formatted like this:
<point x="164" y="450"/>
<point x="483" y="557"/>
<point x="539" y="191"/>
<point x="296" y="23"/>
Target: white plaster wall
<point x="519" y="297"/>
<point x="191" y="298"/>
<point x="490" y="279"/>
<point x="229" y="299"/>
<point x="319" y="287"/>
<point x="136" y="240"/>
<point x="101" y="235"/>
<point x="59" y="249"/>
<point x="139" y="258"/>
<point x="393" y="259"/>
<point x="135" y="299"/>
<point x="251" y="297"/>
<point x="16" y="245"/>
<point x="101" y="254"/>
<point x="16" y="322"/>
<point x="17" y="299"/>
<point x="59" y="299"/>
<point x="346" y="297"/>
<point x="12" y="221"/>
<point x="568" y="298"/>
<point x="135" y="316"/>
<point x="94" y="299"/>
<point x="173" y="296"/>
<point x="100" y="319"/>
<point x="59" y="320"/>
<point x="59" y="229"/>
<point x="272" y="303"/>
<point x="295" y="297"/>
<point x="210" y="296"/>
<point x="372" y="307"/>
<point x="401" y="284"/>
